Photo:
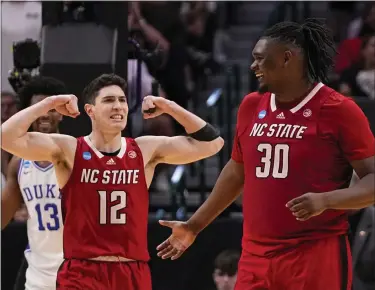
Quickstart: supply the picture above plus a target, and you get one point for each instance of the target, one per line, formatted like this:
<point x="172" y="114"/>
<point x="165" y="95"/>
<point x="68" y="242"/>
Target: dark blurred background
<point x="197" y="54"/>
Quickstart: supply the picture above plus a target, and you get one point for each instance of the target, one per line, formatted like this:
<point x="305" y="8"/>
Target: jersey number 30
<point x="275" y="161"/>
<point x="115" y="216"/>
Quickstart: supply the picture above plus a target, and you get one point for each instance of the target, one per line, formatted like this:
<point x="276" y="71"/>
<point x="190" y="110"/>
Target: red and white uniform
<point x="105" y="213"/>
<point x="288" y="150"/>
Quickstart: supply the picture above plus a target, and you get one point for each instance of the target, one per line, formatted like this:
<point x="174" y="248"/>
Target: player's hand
<point x="181" y="239"/>
<point x="154" y="106"/>
<point x="66" y="105"/>
<point x="308" y="205"/>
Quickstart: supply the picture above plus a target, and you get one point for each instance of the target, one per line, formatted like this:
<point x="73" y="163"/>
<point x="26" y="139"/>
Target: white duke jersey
<point x="42" y="197"/>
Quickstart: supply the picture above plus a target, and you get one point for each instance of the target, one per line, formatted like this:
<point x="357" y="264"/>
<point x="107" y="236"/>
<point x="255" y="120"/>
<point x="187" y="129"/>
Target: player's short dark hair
<point x="315" y="40"/>
<point x="91" y="91"/>
<point x="227" y="262"/>
<point x="40" y="85"/>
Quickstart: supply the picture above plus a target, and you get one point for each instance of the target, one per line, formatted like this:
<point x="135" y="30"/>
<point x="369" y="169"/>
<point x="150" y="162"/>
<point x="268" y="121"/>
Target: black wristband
<point x="207" y="133"/>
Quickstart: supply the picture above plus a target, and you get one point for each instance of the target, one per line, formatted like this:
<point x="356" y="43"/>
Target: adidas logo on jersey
<point x="111" y="162"/>
<point x="280" y="116"/>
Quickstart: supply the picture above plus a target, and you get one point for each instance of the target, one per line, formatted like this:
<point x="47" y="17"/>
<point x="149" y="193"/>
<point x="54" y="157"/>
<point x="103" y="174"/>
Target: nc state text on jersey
<point x="122" y="176"/>
<point x="278" y="130"/>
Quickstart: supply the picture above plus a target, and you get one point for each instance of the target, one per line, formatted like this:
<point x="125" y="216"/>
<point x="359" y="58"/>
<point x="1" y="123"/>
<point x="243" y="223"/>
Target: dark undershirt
<point x="111" y="153"/>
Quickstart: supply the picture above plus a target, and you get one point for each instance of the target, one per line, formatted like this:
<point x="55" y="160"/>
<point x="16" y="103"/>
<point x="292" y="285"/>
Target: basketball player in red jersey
<point x="297" y="142"/>
<point x="104" y="180"/>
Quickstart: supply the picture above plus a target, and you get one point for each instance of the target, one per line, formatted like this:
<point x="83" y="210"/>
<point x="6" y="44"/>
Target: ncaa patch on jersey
<point x="262" y="114"/>
<point x="86" y="155"/>
<point x="26" y="164"/>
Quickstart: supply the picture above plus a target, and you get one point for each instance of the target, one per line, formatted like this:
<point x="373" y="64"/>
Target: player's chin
<point x="45" y="129"/>
<point x="118" y="126"/>
<point x="263" y="88"/>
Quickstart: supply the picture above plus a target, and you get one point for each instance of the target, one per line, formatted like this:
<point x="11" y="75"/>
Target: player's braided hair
<point x="315" y="40"/>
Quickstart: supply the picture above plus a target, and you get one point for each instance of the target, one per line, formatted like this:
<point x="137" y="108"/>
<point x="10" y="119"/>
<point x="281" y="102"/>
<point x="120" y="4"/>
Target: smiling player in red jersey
<point x="297" y="142"/>
<point x="104" y="180"/>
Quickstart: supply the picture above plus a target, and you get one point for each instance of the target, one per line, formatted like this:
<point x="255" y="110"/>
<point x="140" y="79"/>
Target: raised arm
<point x="202" y="141"/>
<point x="11" y="197"/>
<point x="33" y="145"/>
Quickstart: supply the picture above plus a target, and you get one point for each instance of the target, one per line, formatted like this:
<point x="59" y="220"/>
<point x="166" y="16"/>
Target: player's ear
<point x="287" y="57"/>
<point x="89" y="110"/>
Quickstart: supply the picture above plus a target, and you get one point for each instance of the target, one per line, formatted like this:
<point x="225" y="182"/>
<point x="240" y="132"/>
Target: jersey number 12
<point x="275" y="161"/>
<point x="115" y="216"/>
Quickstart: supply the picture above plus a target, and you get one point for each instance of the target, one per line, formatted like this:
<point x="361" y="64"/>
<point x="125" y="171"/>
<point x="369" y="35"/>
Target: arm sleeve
<point x="354" y="134"/>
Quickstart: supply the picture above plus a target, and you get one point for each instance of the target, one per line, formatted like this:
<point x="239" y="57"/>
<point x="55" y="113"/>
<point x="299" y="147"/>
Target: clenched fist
<point x="155" y="106"/>
<point x="66" y="105"/>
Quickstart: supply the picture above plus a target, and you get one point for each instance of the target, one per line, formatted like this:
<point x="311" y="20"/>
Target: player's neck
<point x="293" y="92"/>
<point x="105" y="142"/>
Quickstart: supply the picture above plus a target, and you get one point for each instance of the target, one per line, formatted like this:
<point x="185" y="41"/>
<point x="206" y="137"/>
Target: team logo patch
<point x="26" y="164"/>
<point x="262" y="114"/>
<point x="132" y="154"/>
<point x="86" y="155"/>
<point x="307" y="113"/>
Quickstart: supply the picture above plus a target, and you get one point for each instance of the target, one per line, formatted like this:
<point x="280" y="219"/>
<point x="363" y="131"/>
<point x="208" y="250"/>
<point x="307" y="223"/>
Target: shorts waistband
<point x="111" y="259"/>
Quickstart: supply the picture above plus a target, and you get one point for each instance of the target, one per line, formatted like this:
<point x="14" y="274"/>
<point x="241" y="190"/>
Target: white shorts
<point x="39" y="274"/>
<point x="36" y="280"/>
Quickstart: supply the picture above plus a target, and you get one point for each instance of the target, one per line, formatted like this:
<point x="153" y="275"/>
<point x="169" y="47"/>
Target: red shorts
<point x="316" y="265"/>
<point x="97" y="275"/>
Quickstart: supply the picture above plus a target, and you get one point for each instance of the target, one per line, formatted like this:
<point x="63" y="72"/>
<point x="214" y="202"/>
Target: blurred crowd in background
<point x="187" y="45"/>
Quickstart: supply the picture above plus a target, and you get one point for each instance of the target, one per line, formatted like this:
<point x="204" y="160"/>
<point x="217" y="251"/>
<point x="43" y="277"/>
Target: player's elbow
<point x="215" y="146"/>
<point x="6" y="135"/>
<point x="13" y="144"/>
<point x="218" y="144"/>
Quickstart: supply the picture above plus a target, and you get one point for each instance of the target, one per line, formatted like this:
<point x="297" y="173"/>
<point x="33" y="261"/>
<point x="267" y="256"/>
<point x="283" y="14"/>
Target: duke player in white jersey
<point x="35" y="184"/>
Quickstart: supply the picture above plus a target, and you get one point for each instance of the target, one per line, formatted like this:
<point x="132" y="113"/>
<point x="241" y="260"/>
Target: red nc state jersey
<point x="105" y="204"/>
<point x="288" y="152"/>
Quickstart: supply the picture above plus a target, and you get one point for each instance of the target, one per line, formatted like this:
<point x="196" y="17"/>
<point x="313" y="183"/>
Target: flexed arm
<point x="32" y="145"/>
<point x="203" y="140"/>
